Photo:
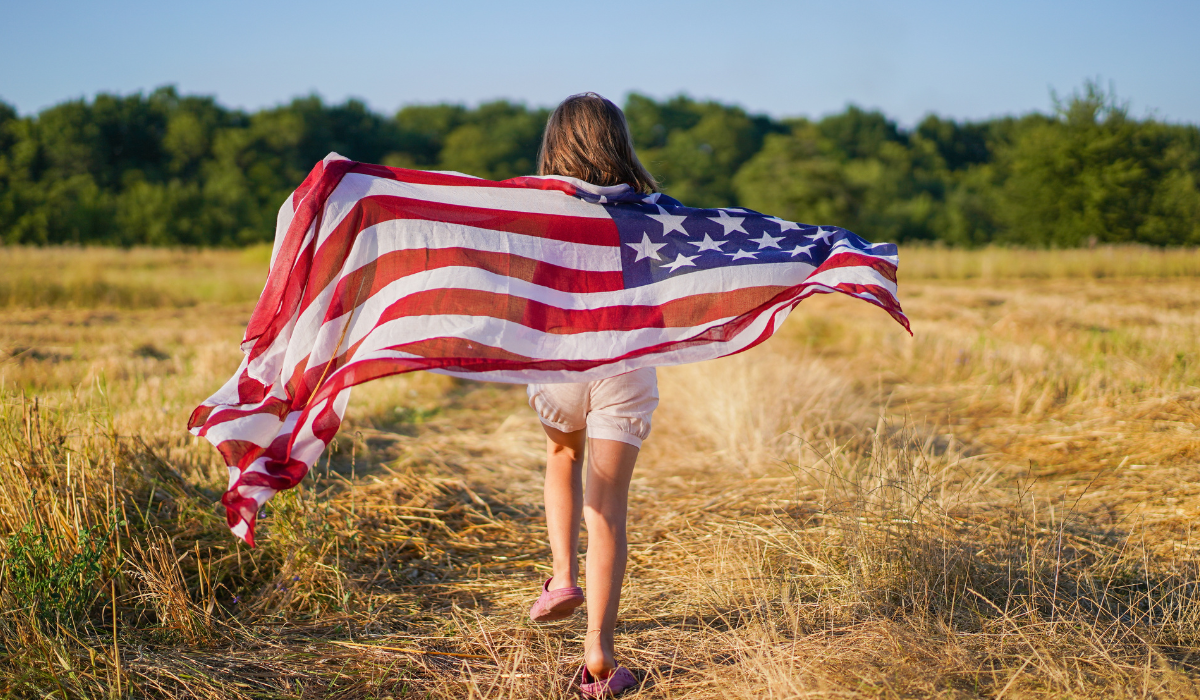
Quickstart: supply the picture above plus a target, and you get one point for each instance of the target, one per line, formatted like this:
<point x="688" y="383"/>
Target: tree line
<point x="171" y="169"/>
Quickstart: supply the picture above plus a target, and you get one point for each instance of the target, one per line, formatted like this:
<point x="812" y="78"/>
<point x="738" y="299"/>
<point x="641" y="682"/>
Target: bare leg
<point x="606" y="504"/>
<point x="564" y="502"/>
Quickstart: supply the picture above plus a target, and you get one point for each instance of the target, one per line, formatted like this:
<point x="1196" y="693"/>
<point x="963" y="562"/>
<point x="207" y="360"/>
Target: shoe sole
<point x="559" y="612"/>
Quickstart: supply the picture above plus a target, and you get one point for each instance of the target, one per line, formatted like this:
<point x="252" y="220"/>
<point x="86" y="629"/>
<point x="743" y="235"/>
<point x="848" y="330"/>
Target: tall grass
<point x="880" y="533"/>
<point x="138" y="278"/>
<point x="996" y="263"/>
<point x="999" y="507"/>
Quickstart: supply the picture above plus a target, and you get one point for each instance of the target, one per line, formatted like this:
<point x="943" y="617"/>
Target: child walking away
<point x="600" y="423"/>
<point x="584" y="274"/>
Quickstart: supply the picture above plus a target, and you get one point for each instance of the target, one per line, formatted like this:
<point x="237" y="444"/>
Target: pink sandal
<point x="556" y="604"/>
<point x="617" y="682"/>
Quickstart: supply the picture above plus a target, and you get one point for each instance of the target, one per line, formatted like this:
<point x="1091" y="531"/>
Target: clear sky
<point x="963" y="59"/>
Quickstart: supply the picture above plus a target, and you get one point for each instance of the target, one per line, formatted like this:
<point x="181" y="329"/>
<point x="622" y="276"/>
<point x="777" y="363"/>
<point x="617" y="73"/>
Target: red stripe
<point x="368" y="280"/>
<point x="427" y="177"/>
<point x="430" y="177"/>
<point x="200" y="416"/>
<point x="848" y="259"/>
<point x="309" y="181"/>
<point x="370" y="211"/>
<point x="884" y="300"/>
<point x="681" y="313"/>
<point x="290" y="269"/>
<point x="556" y="227"/>
<point x="540" y="183"/>
<point x="274" y="406"/>
<point x="238" y="453"/>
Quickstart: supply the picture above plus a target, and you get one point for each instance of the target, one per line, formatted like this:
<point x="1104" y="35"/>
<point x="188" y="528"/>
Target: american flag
<point x="378" y="271"/>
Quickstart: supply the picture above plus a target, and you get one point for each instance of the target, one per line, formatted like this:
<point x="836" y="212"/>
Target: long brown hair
<point x="588" y="138"/>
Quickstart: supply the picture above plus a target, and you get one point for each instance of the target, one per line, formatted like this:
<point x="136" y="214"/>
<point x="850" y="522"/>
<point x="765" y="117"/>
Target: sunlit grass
<point x="137" y="278"/>
<point x="1003" y="504"/>
<point x="995" y="263"/>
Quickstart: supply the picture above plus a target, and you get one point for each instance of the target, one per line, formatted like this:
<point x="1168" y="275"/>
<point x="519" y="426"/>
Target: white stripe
<point x="258" y="428"/>
<point x="410" y="234"/>
<point x="853" y="275"/>
<point x="845" y="246"/>
<point x="521" y="340"/>
<point x="283" y="221"/>
<point x="355" y="186"/>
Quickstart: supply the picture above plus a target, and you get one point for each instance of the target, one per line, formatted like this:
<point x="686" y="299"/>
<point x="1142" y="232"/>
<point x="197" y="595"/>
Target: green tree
<point x="854" y="170"/>
<point x="695" y="148"/>
<point x="1093" y="174"/>
<point x="422" y="132"/>
<point x="170" y="169"/>
<point x="498" y="140"/>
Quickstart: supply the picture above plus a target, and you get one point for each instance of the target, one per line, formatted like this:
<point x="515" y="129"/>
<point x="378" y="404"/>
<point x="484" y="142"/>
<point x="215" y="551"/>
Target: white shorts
<point x="617" y="408"/>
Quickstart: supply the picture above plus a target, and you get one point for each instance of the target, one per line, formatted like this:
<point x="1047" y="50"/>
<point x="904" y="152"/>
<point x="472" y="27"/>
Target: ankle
<point x="598" y="655"/>
<point x="600" y="666"/>
<point x="562" y="581"/>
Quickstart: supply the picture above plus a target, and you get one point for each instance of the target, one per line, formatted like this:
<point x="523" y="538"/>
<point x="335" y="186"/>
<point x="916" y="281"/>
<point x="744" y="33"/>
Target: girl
<point x="587" y="138"/>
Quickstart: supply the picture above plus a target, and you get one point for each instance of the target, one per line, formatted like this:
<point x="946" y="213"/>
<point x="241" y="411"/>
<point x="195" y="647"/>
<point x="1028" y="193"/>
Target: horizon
<point x="1064" y="96"/>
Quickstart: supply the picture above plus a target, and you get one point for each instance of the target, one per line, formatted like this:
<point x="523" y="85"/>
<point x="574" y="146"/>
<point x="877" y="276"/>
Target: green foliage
<point x="694" y="148"/>
<point x="1095" y="175"/>
<point x="41" y="577"/>
<point x="854" y="170"/>
<point x="167" y="169"/>
<point x="498" y="140"/>
<point x="1088" y="174"/>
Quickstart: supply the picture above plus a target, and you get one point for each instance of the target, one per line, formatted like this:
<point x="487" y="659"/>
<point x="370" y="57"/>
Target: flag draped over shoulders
<point x="377" y="271"/>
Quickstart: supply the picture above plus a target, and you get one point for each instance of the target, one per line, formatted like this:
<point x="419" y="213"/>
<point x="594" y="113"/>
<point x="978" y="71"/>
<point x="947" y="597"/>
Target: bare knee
<point x="562" y="452"/>
<point x="562" y="446"/>
<point x="605" y="517"/>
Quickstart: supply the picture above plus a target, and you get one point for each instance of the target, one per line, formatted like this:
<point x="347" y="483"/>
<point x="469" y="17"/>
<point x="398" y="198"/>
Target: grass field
<point x="1000" y="506"/>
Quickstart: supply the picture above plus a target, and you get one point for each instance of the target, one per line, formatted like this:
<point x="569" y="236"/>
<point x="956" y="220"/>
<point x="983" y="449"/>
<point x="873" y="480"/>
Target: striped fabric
<point x="378" y="271"/>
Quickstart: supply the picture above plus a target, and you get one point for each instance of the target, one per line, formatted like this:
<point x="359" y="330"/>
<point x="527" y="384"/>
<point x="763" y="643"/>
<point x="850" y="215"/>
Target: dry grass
<point x="1000" y="506"/>
<point x="1104" y="262"/>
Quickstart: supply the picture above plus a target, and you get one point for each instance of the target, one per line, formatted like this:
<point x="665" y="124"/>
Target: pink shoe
<point x="556" y="604"/>
<point x="617" y="682"/>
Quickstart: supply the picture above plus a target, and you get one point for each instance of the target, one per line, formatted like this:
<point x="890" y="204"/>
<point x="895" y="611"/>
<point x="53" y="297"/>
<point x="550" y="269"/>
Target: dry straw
<point x="1001" y="506"/>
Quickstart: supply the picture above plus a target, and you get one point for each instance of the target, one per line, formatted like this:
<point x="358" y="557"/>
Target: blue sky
<point x="960" y="59"/>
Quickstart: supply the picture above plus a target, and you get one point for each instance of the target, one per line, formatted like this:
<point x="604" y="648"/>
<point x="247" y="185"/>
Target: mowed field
<point x="1004" y="505"/>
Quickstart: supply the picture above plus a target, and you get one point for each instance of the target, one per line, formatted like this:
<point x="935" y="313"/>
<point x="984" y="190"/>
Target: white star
<point x="739" y="254"/>
<point x="669" y="222"/>
<point x="646" y="249"/>
<point x="822" y="234"/>
<point x="707" y="244"/>
<point x="783" y="225"/>
<point x="767" y="241"/>
<point x="729" y="223"/>
<point x="681" y="261"/>
<point x="802" y="249"/>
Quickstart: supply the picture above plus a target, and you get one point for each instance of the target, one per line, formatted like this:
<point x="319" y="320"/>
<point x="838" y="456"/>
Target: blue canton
<point x="660" y="238"/>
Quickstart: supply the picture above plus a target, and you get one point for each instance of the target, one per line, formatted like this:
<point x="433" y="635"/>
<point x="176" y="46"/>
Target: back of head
<point x="587" y="138"/>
